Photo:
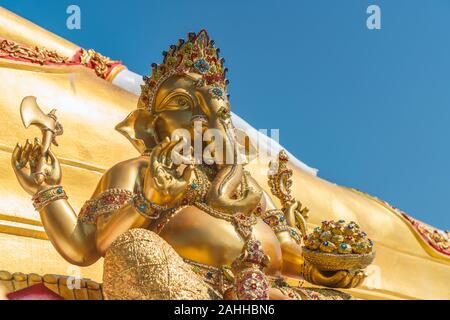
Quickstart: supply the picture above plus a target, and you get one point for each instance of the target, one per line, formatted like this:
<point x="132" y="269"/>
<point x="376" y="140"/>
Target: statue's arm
<point x="75" y="241"/>
<point x="79" y="241"/>
<point x="294" y="263"/>
<point x="82" y="239"/>
<point x="39" y="174"/>
<point x="269" y="211"/>
<point x="85" y="237"/>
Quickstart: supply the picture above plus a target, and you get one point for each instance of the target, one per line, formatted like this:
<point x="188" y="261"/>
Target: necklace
<point x="111" y="200"/>
<point x="194" y="195"/>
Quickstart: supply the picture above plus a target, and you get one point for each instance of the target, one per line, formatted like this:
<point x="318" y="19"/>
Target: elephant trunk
<point x="222" y="194"/>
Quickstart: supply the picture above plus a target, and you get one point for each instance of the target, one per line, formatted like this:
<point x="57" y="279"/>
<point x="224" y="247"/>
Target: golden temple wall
<point x="89" y="108"/>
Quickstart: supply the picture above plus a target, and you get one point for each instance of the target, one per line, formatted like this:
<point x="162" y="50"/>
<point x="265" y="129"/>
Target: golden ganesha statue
<point x="191" y="217"/>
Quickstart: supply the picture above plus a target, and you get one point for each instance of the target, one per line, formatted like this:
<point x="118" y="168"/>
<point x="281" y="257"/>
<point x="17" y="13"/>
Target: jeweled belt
<point x="222" y="279"/>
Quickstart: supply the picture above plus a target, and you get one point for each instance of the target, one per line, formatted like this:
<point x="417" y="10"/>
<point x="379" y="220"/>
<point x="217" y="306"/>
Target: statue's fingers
<point x="54" y="163"/>
<point x="174" y="154"/>
<point x="167" y="144"/>
<point x="294" y="206"/>
<point x="36" y="151"/>
<point x="165" y="157"/>
<point x="22" y="172"/>
<point x="156" y="153"/>
<point x="37" y="144"/>
<point x="301" y="223"/>
<point x="154" y="159"/>
<point x="187" y="172"/>
<point x="187" y="160"/>
<point x="167" y="149"/>
<point x="168" y="153"/>
<point x="25" y="156"/>
<point x="16" y="156"/>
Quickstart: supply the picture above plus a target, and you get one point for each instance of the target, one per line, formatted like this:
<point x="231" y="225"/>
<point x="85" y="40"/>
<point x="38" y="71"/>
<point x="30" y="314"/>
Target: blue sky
<point x="369" y="108"/>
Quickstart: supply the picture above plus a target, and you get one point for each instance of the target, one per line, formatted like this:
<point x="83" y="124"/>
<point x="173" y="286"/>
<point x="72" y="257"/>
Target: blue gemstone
<point x="209" y="275"/>
<point x="344" y="246"/>
<point x="282" y="218"/>
<point x="217" y="92"/>
<point x="201" y="65"/>
<point x="142" y="207"/>
<point x="194" y="185"/>
<point x="59" y="190"/>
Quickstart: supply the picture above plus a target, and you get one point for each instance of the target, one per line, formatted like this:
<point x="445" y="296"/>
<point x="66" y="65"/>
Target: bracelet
<point x="45" y="197"/>
<point x="277" y="221"/>
<point x="274" y="218"/>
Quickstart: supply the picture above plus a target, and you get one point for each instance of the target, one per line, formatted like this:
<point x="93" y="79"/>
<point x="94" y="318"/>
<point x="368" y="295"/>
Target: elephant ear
<point x="138" y="129"/>
<point x="246" y="148"/>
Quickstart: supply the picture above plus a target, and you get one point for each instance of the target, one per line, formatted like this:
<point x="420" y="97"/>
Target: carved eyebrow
<point x="193" y="76"/>
<point x="181" y="93"/>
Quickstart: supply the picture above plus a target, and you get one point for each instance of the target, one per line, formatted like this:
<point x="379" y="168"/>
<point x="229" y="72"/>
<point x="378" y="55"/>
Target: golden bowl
<point x="334" y="262"/>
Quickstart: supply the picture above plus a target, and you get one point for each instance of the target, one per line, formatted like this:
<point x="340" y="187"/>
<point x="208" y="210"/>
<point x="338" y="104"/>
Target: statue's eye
<point x="178" y="102"/>
<point x="182" y="102"/>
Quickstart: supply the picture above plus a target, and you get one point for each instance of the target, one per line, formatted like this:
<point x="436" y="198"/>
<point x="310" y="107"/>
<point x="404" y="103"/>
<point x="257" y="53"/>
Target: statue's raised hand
<point x="165" y="159"/>
<point x="35" y="170"/>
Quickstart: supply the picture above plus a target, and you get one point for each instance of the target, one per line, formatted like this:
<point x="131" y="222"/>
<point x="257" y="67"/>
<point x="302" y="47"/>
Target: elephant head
<point x="186" y="95"/>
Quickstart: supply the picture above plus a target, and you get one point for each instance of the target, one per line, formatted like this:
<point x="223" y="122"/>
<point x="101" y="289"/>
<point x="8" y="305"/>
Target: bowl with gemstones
<point x="337" y="245"/>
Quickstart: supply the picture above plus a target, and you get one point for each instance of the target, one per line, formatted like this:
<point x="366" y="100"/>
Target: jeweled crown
<point x="197" y="54"/>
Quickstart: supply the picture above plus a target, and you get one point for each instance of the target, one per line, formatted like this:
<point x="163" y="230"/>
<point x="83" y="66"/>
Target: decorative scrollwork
<point x="338" y="279"/>
<point x="280" y="183"/>
<point x="438" y="240"/>
<point x="99" y="63"/>
<point x="12" y="50"/>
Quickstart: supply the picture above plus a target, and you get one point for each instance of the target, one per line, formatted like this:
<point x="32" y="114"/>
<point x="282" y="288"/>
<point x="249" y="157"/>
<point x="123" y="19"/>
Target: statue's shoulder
<point x="124" y="174"/>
